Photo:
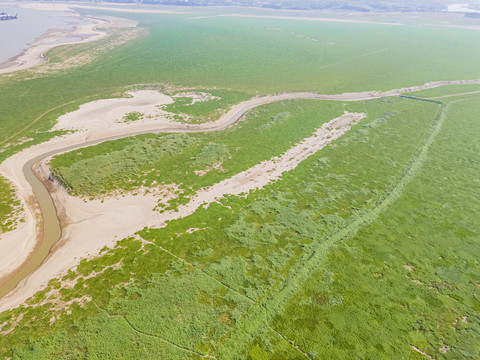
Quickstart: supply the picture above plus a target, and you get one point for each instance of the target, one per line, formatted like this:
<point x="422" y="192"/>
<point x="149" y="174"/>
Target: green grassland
<point x="432" y="305"/>
<point x="312" y="265"/>
<point x="245" y="286"/>
<point x="241" y="54"/>
<point x="174" y="158"/>
<point x="8" y="207"/>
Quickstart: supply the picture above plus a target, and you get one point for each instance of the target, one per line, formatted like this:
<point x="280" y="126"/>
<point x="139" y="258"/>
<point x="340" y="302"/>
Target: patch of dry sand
<point x="104" y="115"/>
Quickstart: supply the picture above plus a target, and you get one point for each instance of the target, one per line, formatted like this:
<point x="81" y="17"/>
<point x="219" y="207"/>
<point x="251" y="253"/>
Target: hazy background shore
<point x="16" y="35"/>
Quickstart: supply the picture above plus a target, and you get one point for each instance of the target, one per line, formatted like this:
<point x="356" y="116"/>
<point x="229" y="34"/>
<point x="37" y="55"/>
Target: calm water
<point x="15" y="35"/>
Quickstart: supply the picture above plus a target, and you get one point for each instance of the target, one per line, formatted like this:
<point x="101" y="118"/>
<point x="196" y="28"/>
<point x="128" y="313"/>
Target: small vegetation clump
<point x="210" y="155"/>
<point x="9" y="206"/>
<point x="186" y="110"/>
<point x="132" y="117"/>
<point x="274" y="119"/>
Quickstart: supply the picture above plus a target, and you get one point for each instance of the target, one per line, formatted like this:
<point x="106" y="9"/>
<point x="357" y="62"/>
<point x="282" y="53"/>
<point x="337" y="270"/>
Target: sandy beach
<point x="96" y="28"/>
<point x="84" y="230"/>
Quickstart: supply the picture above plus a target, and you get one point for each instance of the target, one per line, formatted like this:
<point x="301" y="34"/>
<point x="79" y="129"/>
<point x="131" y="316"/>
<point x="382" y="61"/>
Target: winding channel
<point x="49" y="229"/>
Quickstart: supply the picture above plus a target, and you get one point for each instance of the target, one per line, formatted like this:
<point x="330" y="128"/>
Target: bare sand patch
<point x="105" y="114"/>
<point x="217" y="166"/>
<point x="408" y="267"/>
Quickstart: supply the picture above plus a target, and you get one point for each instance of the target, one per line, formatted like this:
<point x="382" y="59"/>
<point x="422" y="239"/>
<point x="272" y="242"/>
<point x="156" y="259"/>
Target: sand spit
<point x="96" y="29"/>
<point x="102" y="115"/>
<point x="91" y="226"/>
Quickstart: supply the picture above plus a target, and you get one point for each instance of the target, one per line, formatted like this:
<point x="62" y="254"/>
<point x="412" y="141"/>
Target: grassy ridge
<point x="446" y="90"/>
<point x="175" y="158"/>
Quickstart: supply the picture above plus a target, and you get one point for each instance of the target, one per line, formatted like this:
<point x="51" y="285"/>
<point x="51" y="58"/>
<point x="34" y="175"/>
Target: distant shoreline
<point x="35" y="53"/>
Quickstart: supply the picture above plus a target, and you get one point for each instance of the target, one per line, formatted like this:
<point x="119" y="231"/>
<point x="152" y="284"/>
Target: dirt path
<point x="85" y="233"/>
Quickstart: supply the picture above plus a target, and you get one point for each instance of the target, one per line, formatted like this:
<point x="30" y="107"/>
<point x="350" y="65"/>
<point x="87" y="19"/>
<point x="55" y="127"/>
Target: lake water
<point x="15" y="35"/>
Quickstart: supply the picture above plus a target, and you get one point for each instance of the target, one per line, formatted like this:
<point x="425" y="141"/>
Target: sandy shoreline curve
<point x="84" y="232"/>
<point x="35" y="55"/>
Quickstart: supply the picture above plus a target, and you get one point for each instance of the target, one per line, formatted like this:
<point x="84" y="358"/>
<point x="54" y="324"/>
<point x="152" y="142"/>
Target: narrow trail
<point x="179" y="347"/>
<point x="168" y="342"/>
<point x="274" y="304"/>
<point x="292" y="344"/>
<point x="29" y="237"/>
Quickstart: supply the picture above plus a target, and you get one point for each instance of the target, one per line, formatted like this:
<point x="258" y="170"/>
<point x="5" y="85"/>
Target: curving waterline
<point x="49" y="225"/>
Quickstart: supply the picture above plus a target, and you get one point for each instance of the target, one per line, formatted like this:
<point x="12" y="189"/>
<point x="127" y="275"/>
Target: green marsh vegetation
<point x="245" y="55"/>
<point x="174" y="158"/>
<point x="413" y="286"/>
<point x="206" y="110"/>
<point x="255" y="249"/>
<point x="224" y="283"/>
<point x="132" y="117"/>
<point x="446" y="90"/>
<point x="9" y="207"/>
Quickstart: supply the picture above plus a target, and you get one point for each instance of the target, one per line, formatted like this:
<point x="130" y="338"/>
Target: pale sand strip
<point x="125" y="8"/>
